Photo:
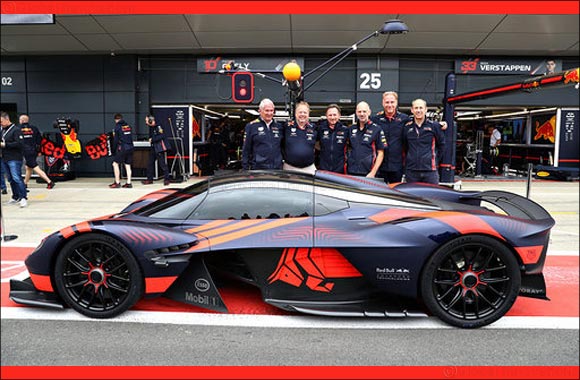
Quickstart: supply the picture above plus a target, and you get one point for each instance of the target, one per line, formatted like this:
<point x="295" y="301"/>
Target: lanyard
<point x="5" y="132"/>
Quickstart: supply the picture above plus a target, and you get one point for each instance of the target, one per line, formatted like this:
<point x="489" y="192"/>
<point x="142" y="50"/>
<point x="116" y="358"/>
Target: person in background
<point x="494" y="136"/>
<point x="12" y="159"/>
<point x="423" y="141"/>
<point x="494" y="142"/>
<point x="299" y="141"/>
<point x="262" y="140"/>
<point x="123" y="148"/>
<point x="31" y="139"/>
<point x="218" y="138"/>
<point x="367" y="142"/>
<point x="2" y="176"/>
<point x="332" y="141"/>
<point x="159" y="146"/>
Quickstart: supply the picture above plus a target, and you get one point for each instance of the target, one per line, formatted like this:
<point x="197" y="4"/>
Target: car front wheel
<point x="98" y="276"/>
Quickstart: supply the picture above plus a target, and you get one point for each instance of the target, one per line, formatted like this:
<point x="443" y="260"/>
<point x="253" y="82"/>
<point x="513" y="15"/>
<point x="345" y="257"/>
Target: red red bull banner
<point x="52" y="149"/>
<point x="545" y="131"/>
<point x="99" y="147"/>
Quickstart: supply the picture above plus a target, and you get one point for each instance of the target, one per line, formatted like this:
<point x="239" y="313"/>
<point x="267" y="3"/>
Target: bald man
<point x="367" y="142"/>
<point x="423" y="141"/>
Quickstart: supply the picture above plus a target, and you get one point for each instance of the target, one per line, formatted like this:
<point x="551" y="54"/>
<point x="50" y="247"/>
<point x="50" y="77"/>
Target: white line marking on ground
<point x="283" y="321"/>
<point x="18" y="244"/>
<point x="553" y="252"/>
<point x="13" y="264"/>
<point x="560" y="232"/>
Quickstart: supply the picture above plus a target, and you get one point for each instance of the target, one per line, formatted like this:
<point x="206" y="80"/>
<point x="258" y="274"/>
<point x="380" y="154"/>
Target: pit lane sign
<point x="478" y="65"/>
<point x="252" y="64"/>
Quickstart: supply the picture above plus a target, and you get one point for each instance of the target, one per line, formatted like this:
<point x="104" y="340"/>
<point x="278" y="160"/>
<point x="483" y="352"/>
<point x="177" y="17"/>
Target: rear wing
<point x="514" y="205"/>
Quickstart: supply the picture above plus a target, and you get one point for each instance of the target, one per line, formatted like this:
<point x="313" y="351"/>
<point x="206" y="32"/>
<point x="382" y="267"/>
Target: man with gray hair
<point x="262" y="140"/>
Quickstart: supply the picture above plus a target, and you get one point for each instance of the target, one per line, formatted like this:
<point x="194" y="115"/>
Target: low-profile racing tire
<point x="471" y="281"/>
<point x="98" y="276"/>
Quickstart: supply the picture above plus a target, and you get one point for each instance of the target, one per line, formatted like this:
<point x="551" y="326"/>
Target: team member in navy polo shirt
<point x="31" y="139"/>
<point x="332" y="138"/>
<point x="123" y="143"/>
<point x="299" y="141"/>
<point x="262" y="140"/>
<point x="367" y="142"/>
<point x="424" y="142"/>
<point x="392" y="122"/>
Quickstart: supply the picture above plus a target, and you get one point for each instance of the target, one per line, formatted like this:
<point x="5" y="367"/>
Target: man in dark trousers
<point x="11" y="144"/>
<point x="159" y="145"/>
<point x="31" y="139"/>
<point x="218" y="142"/>
<point x="367" y="142"/>
<point x="299" y="141"/>
<point x="392" y="122"/>
<point x="332" y="140"/>
<point x="123" y="148"/>
<point x="262" y="140"/>
<point x="424" y="142"/>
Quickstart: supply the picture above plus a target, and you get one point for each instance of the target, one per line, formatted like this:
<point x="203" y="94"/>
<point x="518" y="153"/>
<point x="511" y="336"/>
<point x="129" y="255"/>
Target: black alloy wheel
<point x="98" y="276"/>
<point x="471" y="281"/>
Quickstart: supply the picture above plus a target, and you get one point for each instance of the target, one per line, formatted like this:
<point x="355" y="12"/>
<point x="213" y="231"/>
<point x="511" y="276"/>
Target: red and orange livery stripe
<point x="463" y="223"/>
<point x="42" y="282"/>
<point x="76" y="229"/>
<point x="242" y="229"/>
<point x="158" y="284"/>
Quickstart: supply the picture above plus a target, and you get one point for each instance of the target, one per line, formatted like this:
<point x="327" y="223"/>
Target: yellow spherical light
<point x="291" y="71"/>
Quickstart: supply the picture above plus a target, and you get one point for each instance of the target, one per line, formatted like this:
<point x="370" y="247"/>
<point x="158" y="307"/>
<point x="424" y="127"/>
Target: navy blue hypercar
<point x="322" y="244"/>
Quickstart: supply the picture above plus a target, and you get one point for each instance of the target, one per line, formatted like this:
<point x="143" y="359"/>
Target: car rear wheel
<point x="98" y="276"/>
<point x="471" y="281"/>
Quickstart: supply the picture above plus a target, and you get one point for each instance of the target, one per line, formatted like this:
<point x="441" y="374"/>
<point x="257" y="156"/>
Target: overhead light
<point x="205" y="110"/>
<point x="505" y="115"/>
<point x="525" y="112"/>
<point x="467" y="113"/>
<point x="24" y="19"/>
<point x="394" y="27"/>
